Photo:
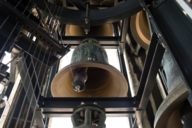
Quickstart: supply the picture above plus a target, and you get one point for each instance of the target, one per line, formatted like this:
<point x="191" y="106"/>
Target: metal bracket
<point x="88" y="116"/>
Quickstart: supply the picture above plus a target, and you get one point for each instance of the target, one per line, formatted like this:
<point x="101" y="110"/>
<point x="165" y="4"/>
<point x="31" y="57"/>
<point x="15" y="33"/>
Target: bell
<point x="169" y="113"/>
<point x="89" y="75"/>
<point x="100" y="30"/>
<point x="140" y="29"/>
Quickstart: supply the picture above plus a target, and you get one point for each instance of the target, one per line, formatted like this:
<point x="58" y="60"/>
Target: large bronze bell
<point x="89" y="75"/>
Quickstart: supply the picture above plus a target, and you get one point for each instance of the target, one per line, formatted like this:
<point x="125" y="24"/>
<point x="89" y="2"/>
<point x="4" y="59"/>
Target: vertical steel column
<point x="120" y="51"/>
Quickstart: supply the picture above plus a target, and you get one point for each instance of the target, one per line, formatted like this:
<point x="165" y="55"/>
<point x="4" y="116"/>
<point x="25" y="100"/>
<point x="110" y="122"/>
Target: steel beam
<point x="148" y="60"/>
<point x="151" y="77"/>
<point x="99" y="38"/>
<point x="105" y="44"/>
<point x="73" y="102"/>
<point x="52" y="106"/>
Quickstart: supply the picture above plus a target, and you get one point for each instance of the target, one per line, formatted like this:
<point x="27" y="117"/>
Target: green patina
<point x="89" y="51"/>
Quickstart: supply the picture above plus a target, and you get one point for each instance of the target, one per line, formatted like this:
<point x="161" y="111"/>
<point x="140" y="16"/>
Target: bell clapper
<point x="80" y="79"/>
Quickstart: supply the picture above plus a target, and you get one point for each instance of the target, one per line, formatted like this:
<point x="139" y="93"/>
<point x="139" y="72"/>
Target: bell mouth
<point x="103" y="81"/>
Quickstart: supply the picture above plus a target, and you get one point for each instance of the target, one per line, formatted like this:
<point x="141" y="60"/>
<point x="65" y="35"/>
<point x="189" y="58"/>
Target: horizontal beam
<point x="110" y="44"/>
<point x="114" y="105"/>
<point x="99" y="38"/>
<point x="116" y="102"/>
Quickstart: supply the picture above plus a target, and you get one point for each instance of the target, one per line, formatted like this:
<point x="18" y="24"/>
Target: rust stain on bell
<point x="89" y="75"/>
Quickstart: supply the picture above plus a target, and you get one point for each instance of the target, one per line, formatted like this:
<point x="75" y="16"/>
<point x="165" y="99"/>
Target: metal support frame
<point x="54" y="106"/>
<point x="58" y="50"/>
<point x="121" y="46"/>
<point x="147" y="65"/>
<point x="99" y="38"/>
<point x="31" y="24"/>
<point x="58" y="106"/>
<point x="151" y="77"/>
<point x="104" y="41"/>
<point x="148" y="78"/>
<point x="104" y="44"/>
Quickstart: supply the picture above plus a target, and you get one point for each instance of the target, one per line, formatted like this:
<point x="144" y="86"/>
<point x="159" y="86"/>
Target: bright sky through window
<point x="7" y="59"/>
<point x="111" y="122"/>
